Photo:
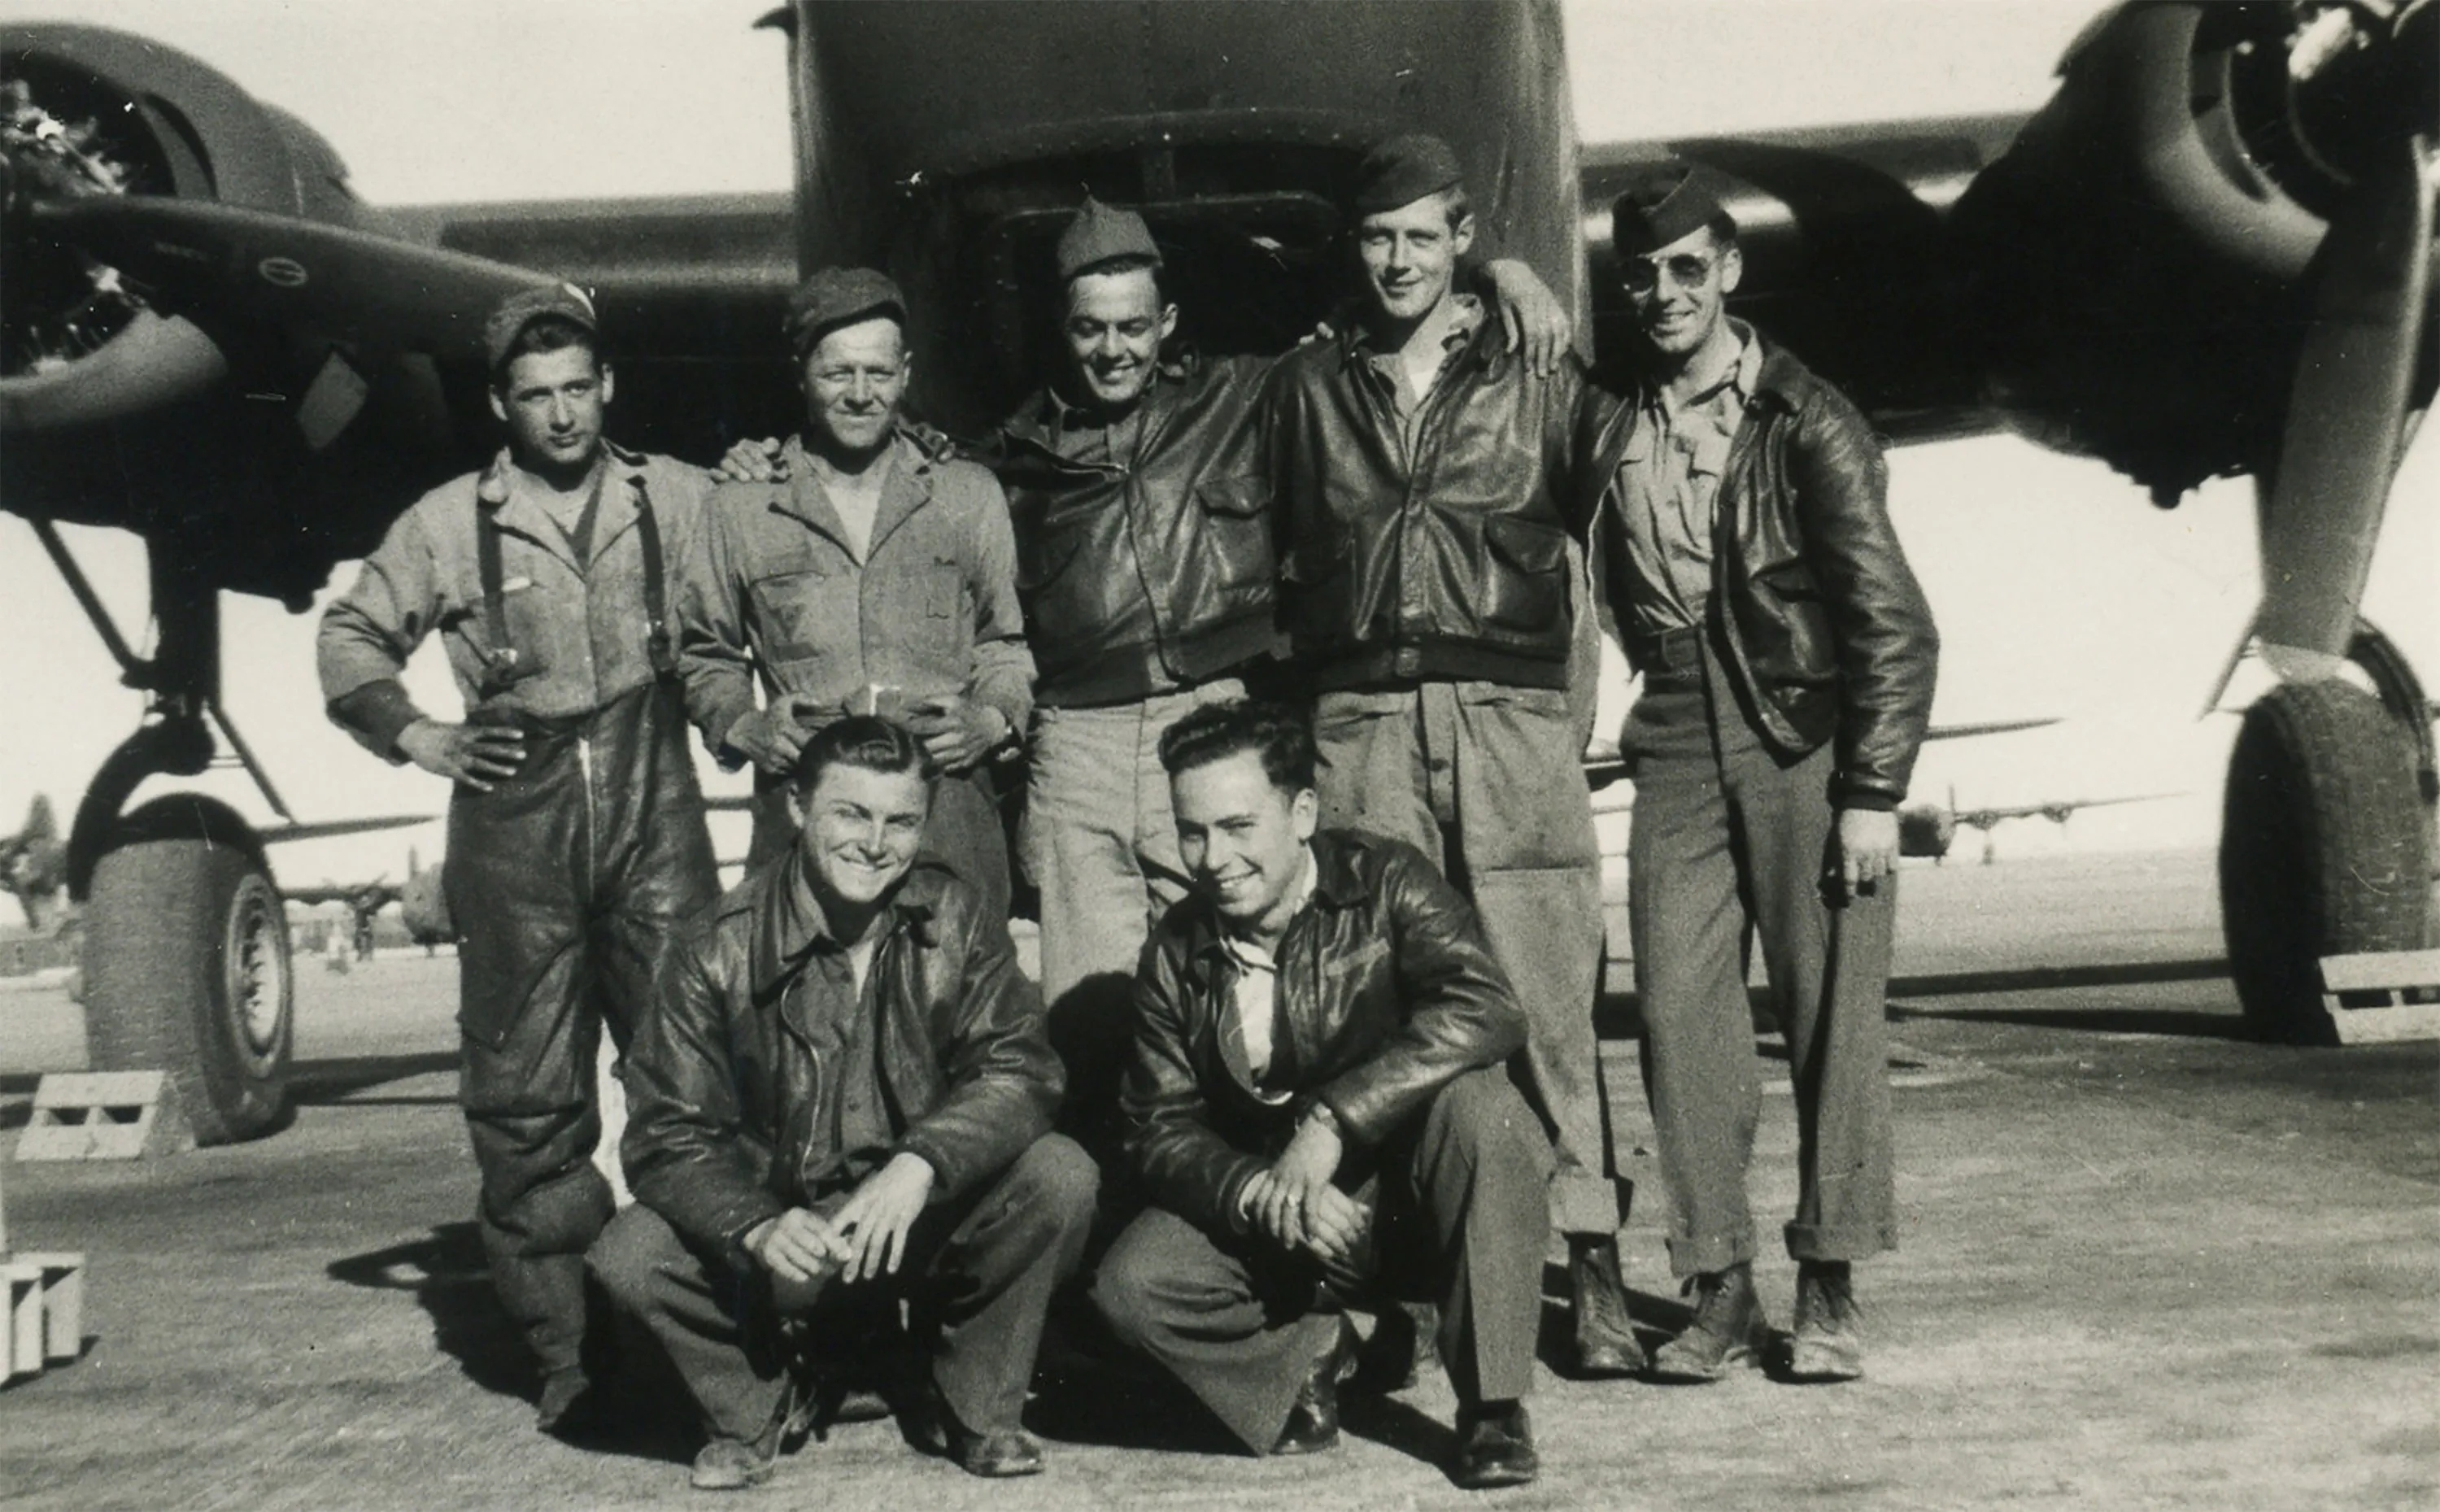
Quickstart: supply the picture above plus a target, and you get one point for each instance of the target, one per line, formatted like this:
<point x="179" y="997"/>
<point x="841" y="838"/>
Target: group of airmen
<point x="1287" y="648"/>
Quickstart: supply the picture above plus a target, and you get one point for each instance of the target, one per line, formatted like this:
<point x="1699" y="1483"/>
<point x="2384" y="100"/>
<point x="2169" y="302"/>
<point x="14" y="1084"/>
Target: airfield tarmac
<point x="2147" y="1264"/>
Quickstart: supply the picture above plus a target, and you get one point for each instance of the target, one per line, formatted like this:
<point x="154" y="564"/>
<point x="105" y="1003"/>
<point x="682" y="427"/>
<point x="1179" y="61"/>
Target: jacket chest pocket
<point x="799" y="611"/>
<point x="1525" y="575"/>
<point x="1047" y="541"/>
<point x="945" y="614"/>
<point x="1235" y="514"/>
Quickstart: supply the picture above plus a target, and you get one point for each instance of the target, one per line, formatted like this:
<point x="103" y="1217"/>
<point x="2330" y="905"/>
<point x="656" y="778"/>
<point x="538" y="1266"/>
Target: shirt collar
<point x="1465" y="317"/>
<point x="1299" y="892"/>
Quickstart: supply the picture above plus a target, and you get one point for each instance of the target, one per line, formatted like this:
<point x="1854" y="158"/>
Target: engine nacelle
<point x="2136" y="264"/>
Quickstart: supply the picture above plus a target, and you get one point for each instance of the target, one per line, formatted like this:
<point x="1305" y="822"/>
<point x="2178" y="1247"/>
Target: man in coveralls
<point x="1429" y="486"/>
<point x="576" y="829"/>
<point x="875" y="575"/>
<point x="1789" y="659"/>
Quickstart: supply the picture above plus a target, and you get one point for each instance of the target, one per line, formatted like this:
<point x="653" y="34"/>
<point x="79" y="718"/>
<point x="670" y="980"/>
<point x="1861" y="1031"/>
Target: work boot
<point x="1829" y="1343"/>
<point x="997" y="1455"/>
<point x="1728" y="1328"/>
<point x="1495" y="1447"/>
<point x="1313" y="1421"/>
<point x="729" y="1465"/>
<point x="1606" y="1343"/>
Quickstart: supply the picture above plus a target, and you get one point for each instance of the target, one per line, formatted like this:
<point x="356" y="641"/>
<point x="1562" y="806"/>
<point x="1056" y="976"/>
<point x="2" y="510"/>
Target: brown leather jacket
<point x="1387" y="992"/>
<point x="1151" y="575"/>
<point x="721" y="1082"/>
<point x="1825" y="628"/>
<point x="1445" y="560"/>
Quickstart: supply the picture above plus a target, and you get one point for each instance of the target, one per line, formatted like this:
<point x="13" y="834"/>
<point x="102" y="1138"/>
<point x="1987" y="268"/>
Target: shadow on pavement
<point x="313" y="1083"/>
<point x="2179" y="1024"/>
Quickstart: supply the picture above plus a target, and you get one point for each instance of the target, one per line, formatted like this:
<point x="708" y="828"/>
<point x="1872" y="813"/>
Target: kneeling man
<point x="1317" y="1107"/>
<point x="841" y="1100"/>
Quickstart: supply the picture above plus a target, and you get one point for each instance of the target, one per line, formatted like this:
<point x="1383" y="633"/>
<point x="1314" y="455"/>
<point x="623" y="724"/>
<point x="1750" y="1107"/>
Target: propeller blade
<point x="217" y="261"/>
<point x="2345" y="418"/>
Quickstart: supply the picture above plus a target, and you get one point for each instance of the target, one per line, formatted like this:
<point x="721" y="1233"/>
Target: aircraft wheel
<point x="2325" y="850"/>
<point x="187" y="967"/>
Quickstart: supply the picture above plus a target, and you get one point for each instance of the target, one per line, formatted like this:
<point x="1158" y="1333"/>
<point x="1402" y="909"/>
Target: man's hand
<point x="876" y="1218"/>
<point x="1283" y="1199"/>
<point x="1868" y="848"/>
<point x="799" y="1246"/>
<point x="1333" y="1227"/>
<point x="956" y="731"/>
<point x="771" y="737"/>
<point x="475" y="755"/>
<point x="1539" y="326"/>
<point x="753" y="461"/>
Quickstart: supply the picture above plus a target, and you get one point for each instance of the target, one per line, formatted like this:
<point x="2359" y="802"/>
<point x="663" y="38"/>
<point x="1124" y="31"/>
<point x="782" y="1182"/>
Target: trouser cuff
<point x="1844" y="1241"/>
<point x="1689" y="1256"/>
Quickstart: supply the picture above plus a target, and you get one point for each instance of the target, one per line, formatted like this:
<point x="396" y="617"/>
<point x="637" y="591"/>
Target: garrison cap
<point x="1660" y="210"/>
<point x="1402" y="170"/>
<point x="832" y="298"/>
<point x="509" y="317"/>
<point x="1100" y="234"/>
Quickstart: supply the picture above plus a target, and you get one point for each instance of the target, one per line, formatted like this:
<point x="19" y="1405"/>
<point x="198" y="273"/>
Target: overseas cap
<point x="1660" y="210"/>
<point x="1100" y="234"/>
<point x="836" y="296"/>
<point x="509" y="317"/>
<point x="1402" y="170"/>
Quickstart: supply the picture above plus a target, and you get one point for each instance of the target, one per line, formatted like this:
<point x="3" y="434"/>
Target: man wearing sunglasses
<point x="1787" y="658"/>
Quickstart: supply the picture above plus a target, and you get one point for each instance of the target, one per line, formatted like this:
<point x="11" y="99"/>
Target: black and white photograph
<point x="1219" y="754"/>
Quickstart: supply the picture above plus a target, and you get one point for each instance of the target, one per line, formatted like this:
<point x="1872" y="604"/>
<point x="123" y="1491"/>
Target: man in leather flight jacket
<point x="841" y="1100"/>
<point x="1787" y="658"/>
<point x="1429" y="488"/>
<point x="1316" y="1107"/>
<point x="576" y="828"/>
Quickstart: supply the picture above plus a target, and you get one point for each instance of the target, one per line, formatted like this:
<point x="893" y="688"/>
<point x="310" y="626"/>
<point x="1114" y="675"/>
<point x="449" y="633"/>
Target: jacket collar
<point x="789" y="929"/>
<point x="1336" y="885"/>
<point x="1039" y="418"/>
<point x="913" y="457"/>
<point x="1467" y="340"/>
<point x="621" y="476"/>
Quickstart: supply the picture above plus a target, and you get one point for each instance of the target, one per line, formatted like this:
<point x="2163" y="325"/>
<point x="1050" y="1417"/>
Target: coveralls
<point x="567" y="879"/>
<point x="777" y="586"/>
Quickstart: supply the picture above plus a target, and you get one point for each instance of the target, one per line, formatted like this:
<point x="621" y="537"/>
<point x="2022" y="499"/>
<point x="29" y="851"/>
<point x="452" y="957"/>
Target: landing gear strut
<point x="2327" y="837"/>
<point x="186" y="941"/>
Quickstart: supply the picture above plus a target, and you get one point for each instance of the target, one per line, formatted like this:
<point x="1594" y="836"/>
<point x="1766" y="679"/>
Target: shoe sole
<point x="1669" y="1374"/>
<point x="1493" y="1480"/>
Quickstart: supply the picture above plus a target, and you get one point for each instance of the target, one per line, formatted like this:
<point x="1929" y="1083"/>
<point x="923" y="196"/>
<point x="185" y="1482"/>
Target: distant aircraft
<point x="1605" y="766"/>
<point x="1930" y="829"/>
<point x="2208" y="253"/>
<point x="34" y="861"/>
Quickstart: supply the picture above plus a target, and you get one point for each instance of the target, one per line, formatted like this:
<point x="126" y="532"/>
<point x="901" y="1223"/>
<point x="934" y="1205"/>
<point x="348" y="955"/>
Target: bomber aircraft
<point x="2209" y="253"/>
<point x="1930" y="829"/>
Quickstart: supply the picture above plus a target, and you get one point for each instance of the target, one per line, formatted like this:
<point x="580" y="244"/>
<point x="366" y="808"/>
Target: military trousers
<point x="1461" y="1212"/>
<point x="1100" y="842"/>
<point x="978" y="1276"/>
<point x="565" y="882"/>
<point x="1488" y="781"/>
<point x="1733" y="841"/>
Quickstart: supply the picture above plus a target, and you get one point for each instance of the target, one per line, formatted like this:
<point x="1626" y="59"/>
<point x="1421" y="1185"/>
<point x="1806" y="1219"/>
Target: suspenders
<point x="503" y="671"/>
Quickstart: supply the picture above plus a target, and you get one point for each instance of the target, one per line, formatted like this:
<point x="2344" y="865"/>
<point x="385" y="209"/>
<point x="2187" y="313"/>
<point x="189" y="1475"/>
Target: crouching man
<point x="840" y="1100"/>
<point x="1316" y="1109"/>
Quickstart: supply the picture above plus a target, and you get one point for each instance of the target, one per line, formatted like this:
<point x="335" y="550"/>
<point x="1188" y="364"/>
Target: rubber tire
<point x="164" y="959"/>
<point x="2325" y="850"/>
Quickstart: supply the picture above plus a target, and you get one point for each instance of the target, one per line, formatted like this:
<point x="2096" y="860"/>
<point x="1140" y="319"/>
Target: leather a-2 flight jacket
<point x="723" y="1122"/>
<point x="1387" y="992"/>
<point x="1150" y="573"/>
<point x="1825" y="630"/>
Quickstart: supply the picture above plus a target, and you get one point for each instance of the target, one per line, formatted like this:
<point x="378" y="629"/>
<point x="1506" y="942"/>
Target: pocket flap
<point x="1525" y="544"/>
<point x="1242" y="497"/>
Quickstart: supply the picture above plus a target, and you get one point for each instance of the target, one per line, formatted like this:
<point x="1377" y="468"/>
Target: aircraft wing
<point x="1994" y="727"/>
<point x="334" y="893"/>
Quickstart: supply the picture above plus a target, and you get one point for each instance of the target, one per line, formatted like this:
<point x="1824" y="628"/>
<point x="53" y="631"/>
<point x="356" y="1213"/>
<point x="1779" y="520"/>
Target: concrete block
<point x="2383" y="997"/>
<point x="105" y="1116"/>
<point x="62" y="1283"/>
<point x="22" y="1285"/>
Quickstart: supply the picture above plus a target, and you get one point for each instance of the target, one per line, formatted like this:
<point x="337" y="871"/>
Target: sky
<point x="2058" y="590"/>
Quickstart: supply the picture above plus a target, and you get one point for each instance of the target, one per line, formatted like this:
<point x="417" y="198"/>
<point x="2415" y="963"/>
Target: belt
<point x="1671" y="659"/>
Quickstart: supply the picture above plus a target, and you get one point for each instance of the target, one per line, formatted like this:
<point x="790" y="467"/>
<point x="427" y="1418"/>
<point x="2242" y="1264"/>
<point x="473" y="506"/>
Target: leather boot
<point x="1829" y="1343"/>
<point x="1605" y="1340"/>
<point x="1729" y="1329"/>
